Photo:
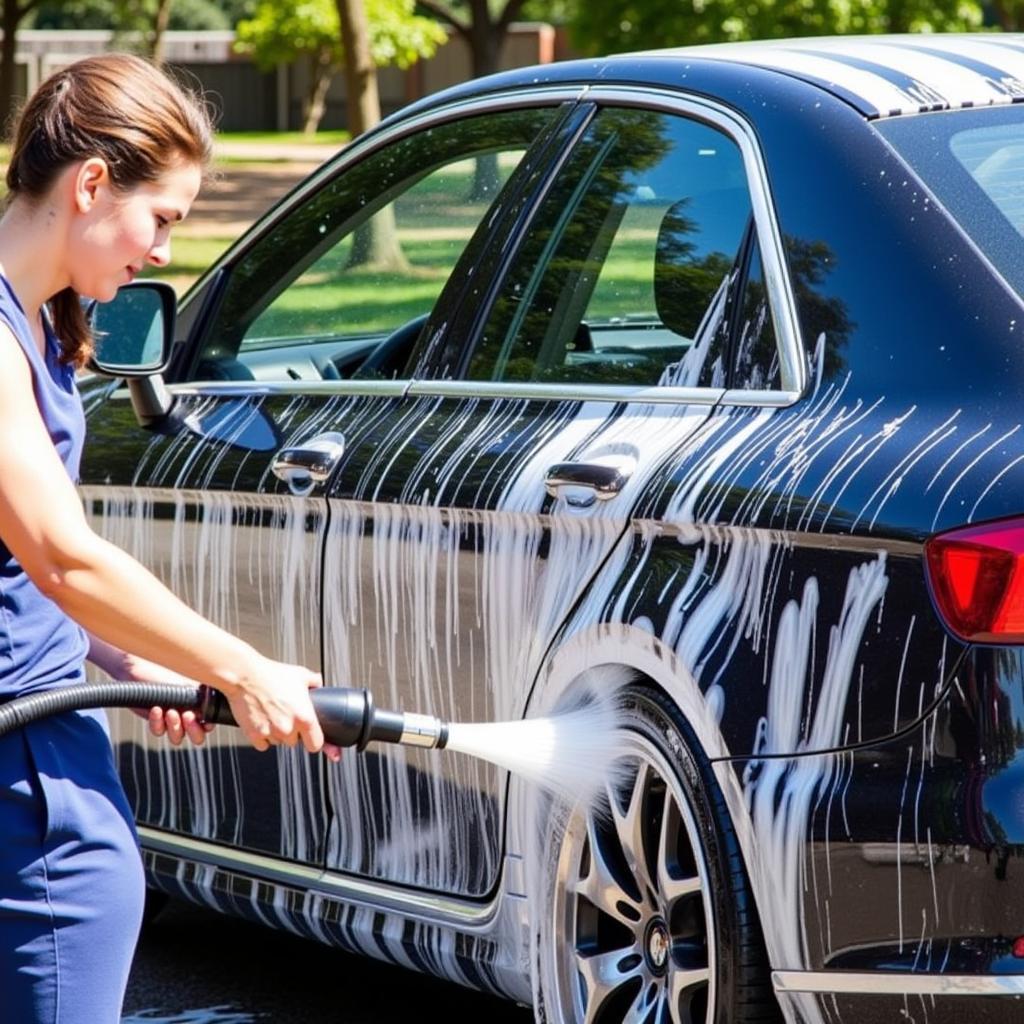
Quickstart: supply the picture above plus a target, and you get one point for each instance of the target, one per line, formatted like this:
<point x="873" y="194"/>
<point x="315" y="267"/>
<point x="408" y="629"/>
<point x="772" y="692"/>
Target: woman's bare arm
<point x="111" y="594"/>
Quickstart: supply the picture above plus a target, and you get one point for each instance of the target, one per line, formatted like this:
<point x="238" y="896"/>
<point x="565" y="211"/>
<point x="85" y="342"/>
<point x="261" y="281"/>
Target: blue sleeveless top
<point x="40" y="647"/>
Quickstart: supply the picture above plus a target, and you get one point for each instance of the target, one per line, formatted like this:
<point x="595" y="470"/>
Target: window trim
<point x="366" y="146"/>
<point x="793" y="366"/>
<point x="793" y="370"/>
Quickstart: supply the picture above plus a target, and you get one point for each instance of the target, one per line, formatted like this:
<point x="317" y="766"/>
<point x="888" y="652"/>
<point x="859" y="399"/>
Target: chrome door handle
<point x="584" y="482"/>
<point x="309" y="464"/>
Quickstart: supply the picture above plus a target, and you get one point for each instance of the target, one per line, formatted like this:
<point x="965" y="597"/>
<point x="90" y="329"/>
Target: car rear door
<point x="467" y="524"/>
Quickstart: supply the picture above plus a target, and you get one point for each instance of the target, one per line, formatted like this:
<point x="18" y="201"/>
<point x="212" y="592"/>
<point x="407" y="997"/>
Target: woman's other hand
<point x="174" y="724"/>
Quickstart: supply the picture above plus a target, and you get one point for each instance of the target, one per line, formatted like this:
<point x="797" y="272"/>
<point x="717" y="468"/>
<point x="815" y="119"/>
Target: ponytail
<point x="71" y="328"/>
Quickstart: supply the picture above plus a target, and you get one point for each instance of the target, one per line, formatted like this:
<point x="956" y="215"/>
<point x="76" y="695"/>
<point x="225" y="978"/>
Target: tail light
<point x="976" y="576"/>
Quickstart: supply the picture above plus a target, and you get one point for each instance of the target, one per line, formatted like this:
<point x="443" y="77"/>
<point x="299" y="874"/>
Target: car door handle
<point x="583" y="482"/>
<point x="309" y="464"/>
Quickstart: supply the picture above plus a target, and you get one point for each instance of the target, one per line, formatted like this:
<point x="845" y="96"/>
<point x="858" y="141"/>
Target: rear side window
<point x="624" y="274"/>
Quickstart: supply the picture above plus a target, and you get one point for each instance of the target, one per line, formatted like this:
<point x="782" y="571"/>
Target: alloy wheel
<point x="637" y="939"/>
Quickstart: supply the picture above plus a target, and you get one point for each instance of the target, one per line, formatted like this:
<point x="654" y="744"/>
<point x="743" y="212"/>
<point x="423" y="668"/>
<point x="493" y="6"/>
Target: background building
<point x="252" y="100"/>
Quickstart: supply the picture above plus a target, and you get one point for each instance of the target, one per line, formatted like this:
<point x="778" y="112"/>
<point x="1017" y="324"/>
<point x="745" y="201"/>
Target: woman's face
<point x="118" y="233"/>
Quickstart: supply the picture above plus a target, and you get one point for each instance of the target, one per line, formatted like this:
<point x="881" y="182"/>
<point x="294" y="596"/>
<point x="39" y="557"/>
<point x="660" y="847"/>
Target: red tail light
<point x="977" y="579"/>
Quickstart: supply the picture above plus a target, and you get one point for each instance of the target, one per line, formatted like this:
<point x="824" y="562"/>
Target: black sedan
<point x="696" y="373"/>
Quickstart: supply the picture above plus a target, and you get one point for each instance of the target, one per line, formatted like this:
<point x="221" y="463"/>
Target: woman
<point x="108" y="155"/>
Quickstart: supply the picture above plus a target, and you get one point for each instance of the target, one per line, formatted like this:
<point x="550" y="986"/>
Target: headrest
<point x="698" y="242"/>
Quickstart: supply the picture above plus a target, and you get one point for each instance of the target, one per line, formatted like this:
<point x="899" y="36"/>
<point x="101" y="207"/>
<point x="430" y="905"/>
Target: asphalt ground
<point x="197" y="966"/>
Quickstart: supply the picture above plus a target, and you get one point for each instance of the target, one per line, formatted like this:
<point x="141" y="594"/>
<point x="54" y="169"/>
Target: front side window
<point x="366" y="256"/>
<point x="623" y="275"/>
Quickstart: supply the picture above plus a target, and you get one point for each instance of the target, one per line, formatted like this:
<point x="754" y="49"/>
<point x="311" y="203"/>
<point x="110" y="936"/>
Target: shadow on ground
<point x="196" y="966"/>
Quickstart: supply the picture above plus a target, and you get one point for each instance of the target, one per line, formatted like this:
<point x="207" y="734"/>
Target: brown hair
<point x="118" y="107"/>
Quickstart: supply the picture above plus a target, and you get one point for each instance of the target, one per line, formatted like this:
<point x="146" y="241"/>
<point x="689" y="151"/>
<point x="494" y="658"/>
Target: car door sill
<point x="465" y="914"/>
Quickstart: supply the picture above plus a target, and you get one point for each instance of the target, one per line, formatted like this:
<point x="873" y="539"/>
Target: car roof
<point x="886" y="76"/>
<point x="879" y="76"/>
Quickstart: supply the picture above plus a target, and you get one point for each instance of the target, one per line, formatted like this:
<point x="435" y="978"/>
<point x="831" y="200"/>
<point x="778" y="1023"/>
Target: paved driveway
<point x="195" y="966"/>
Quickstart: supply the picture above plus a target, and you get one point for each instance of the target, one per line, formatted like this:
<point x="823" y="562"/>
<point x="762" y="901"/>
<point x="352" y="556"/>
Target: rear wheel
<point x="653" y="921"/>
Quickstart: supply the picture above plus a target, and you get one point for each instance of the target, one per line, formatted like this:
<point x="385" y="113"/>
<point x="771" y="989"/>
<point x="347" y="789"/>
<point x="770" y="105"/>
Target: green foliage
<point x="124" y="16"/>
<point x="236" y="10"/>
<point x="615" y="26"/>
<point x="281" y="33"/>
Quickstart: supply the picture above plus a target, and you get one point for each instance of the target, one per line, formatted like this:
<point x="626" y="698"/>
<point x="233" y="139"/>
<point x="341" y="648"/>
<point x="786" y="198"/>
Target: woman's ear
<point x="91" y="178"/>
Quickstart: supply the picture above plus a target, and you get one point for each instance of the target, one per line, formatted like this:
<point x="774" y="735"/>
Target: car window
<point x="755" y="354"/>
<point x="623" y="275"/>
<point x="365" y="257"/>
<point x="972" y="161"/>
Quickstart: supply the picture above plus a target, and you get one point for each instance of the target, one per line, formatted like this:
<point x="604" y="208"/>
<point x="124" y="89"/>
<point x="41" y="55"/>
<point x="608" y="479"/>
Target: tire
<point x="651" y="916"/>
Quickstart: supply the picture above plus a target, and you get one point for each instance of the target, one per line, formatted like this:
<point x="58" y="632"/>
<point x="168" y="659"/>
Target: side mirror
<point x="133" y="335"/>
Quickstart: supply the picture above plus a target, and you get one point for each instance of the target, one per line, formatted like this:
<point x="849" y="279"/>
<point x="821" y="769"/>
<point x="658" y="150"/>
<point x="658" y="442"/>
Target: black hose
<point x="347" y="716"/>
<point x="34" y="706"/>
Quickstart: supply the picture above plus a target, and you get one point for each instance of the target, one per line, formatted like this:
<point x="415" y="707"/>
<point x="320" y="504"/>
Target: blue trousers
<point x="71" y="881"/>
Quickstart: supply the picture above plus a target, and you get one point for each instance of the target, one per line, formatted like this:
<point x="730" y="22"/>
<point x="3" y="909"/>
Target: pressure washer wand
<point x="347" y="716"/>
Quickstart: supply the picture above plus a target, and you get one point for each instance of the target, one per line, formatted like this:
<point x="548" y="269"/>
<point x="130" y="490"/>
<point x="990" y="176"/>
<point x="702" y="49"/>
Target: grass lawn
<point x="332" y="138"/>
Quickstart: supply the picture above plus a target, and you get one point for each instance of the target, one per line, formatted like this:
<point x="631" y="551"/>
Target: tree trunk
<point x="160" y="22"/>
<point x="376" y="241"/>
<point x="8" y="50"/>
<point x="363" y="98"/>
<point x="1008" y="15"/>
<point x="485" y="49"/>
<point x="321" y="72"/>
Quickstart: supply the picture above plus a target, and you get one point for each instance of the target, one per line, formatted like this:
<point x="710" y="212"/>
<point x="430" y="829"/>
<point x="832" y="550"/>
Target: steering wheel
<point x="398" y="343"/>
<point x="326" y="367"/>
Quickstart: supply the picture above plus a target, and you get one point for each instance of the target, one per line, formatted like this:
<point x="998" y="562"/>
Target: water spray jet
<point x="568" y="752"/>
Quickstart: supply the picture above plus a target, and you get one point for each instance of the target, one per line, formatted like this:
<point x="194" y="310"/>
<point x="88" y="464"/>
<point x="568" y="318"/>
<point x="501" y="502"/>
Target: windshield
<point x="973" y="160"/>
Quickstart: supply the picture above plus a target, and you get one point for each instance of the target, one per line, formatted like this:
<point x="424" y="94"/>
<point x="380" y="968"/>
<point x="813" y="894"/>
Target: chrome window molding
<point x="475" y="389"/>
<point x="770" y="399"/>
<point x="565" y="392"/>
<point x="466" y="915"/>
<point x="327" y="388"/>
<point x="897" y="984"/>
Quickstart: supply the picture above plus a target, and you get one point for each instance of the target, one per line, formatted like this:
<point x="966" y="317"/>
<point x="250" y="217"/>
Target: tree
<point x="14" y="12"/>
<point x="482" y="28"/>
<point x="137" y="24"/>
<point x="375" y="242"/>
<point x="1007" y="14"/>
<point x="312" y="31"/>
<point x="612" y="26"/>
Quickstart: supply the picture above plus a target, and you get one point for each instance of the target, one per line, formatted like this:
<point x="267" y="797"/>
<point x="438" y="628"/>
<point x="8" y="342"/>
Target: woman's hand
<point x="169" y="722"/>
<point x="271" y="705"/>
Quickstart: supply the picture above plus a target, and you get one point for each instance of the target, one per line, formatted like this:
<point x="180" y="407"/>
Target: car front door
<point x="294" y="361"/>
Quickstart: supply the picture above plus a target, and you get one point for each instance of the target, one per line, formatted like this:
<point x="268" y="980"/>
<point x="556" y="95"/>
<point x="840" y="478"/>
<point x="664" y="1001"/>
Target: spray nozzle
<point x="348" y="718"/>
